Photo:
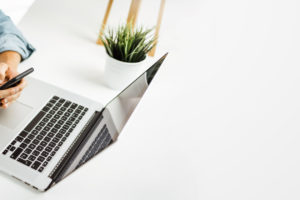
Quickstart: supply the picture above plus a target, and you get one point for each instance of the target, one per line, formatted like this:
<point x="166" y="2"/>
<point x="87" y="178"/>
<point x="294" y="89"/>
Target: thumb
<point x="3" y="69"/>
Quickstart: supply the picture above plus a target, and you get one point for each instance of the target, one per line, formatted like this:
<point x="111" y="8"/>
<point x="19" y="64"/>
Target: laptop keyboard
<point x="44" y="135"/>
<point x="102" y="140"/>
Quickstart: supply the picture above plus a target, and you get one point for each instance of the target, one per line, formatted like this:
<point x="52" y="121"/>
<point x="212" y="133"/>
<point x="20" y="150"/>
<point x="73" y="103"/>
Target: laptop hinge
<point x="75" y="148"/>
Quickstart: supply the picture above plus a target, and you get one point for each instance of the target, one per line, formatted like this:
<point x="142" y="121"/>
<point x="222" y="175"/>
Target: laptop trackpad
<point x="14" y="114"/>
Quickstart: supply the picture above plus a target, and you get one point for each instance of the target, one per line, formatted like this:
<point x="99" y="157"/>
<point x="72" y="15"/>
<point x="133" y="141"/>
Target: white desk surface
<point x="221" y="120"/>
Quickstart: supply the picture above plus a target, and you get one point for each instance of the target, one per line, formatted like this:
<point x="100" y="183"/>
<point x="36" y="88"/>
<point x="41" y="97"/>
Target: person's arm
<point x="11" y="39"/>
<point x="14" y="48"/>
<point x="11" y="58"/>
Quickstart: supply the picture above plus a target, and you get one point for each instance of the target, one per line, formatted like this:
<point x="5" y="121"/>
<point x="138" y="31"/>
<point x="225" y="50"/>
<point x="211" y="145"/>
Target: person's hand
<point x="10" y="95"/>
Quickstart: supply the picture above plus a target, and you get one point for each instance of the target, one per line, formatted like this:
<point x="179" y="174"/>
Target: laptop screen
<point x="113" y="119"/>
<point x="122" y="106"/>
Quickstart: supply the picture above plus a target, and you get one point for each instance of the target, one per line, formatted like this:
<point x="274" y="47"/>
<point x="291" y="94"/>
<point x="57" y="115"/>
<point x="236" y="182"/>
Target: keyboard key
<point x="42" y="124"/>
<point x="43" y="133"/>
<point x="12" y="148"/>
<point x="62" y="131"/>
<point x="58" y="104"/>
<point x="25" y="162"/>
<point x="31" y="158"/>
<point x="45" y="164"/>
<point x="45" y="153"/>
<point x="49" y="158"/>
<point x="52" y="144"/>
<point x="64" y="118"/>
<point x="49" y="105"/>
<point x="41" y="158"/>
<point x="35" y="165"/>
<point x="67" y="103"/>
<point x="55" y="140"/>
<point x="16" y="153"/>
<point x="70" y="110"/>
<point x="54" y="130"/>
<point x="5" y="151"/>
<point x="55" y="98"/>
<point x="31" y="146"/>
<point x="27" y="141"/>
<point x="56" y="148"/>
<point x="61" y="100"/>
<point x="35" y="153"/>
<point x="46" y="109"/>
<point x="56" y="116"/>
<point x="39" y="148"/>
<point x="45" y="120"/>
<point x="23" y="156"/>
<point x="80" y="107"/>
<point x="52" y="101"/>
<point x="27" y="151"/>
<point x="49" y="149"/>
<point x="23" y="134"/>
<point x="66" y="127"/>
<point x="41" y="169"/>
<point x="13" y="142"/>
<point x="31" y="136"/>
<point x="36" y="119"/>
<point x="36" y="141"/>
<point x="74" y="105"/>
<point x="57" y="126"/>
<point x="50" y="134"/>
<point x="47" y="139"/>
<point x="43" y="143"/>
<point x="39" y="137"/>
<point x="23" y="145"/>
<point x="46" y="129"/>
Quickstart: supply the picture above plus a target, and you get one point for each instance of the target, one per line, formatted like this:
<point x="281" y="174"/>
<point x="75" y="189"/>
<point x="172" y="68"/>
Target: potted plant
<point x="126" y="50"/>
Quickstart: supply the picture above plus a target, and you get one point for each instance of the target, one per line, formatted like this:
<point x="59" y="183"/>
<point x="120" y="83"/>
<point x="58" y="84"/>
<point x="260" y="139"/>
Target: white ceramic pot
<point x="119" y="74"/>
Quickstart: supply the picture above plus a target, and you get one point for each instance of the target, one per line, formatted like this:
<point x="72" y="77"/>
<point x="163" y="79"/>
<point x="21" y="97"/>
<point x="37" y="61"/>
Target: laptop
<point x="45" y="138"/>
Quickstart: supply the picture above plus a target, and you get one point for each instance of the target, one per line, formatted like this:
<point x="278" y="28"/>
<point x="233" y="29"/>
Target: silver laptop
<point x="45" y="137"/>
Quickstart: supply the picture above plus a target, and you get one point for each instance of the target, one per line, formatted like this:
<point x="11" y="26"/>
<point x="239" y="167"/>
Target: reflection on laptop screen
<point x="121" y="107"/>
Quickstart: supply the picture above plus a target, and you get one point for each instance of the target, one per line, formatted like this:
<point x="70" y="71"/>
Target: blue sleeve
<point x="11" y="39"/>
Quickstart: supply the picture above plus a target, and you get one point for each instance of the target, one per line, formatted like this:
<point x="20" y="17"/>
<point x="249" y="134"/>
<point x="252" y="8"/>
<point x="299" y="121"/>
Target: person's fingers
<point x="6" y="105"/>
<point x="3" y="69"/>
<point x="21" y="85"/>
<point x="11" y="73"/>
<point x="10" y="99"/>
<point x="12" y="91"/>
